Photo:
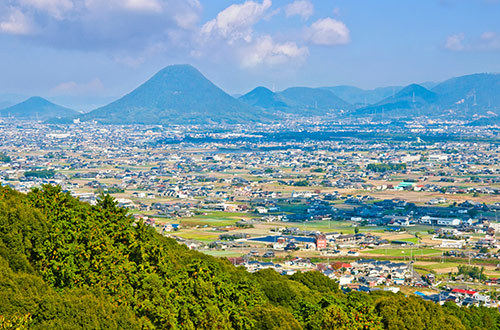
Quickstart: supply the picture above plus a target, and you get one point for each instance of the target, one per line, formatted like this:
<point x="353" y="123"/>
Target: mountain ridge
<point x="180" y="94"/>
<point x="264" y="98"/>
<point x="36" y="108"/>
<point x="176" y="94"/>
<point x="355" y="95"/>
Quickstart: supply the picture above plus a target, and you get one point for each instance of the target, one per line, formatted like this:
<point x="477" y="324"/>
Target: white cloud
<point x="266" y="51"/>
<point x="230" y="36"/>
<point x="55" y="8"/>
<point x="187" y="19"/>
<point x="236" y="21"/>
<point x="138" y="6"/>
<point x="143" y="5"/>
<point x="455" y="42"/>
<point x="490" y="40"/>
<point x="302" y="8"/>
<point x="328" y="32"/>
<point x="15" y="22"/>
<point x="487" y="41"/>
<point x="130" y="25"/>
<point x="73" y="88"/>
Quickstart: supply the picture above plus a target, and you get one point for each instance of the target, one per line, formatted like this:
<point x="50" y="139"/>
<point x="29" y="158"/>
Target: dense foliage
<point x="381" y="167"/>
<point x="473" y="272"/>
<point x="69" y="265"/>
<point x="4" y="158"/>
<point x="42" y="174"/>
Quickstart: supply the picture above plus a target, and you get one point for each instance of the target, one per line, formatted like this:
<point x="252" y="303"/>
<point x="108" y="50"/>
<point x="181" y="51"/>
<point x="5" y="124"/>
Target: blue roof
<point x="364" y="289"/>
<point x="418" y="293"/>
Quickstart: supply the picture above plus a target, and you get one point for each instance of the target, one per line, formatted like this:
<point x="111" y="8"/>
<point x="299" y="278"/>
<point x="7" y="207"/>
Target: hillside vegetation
<point x="69" y="265"/>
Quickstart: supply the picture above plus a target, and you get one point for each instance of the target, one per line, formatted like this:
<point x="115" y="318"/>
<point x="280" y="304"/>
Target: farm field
<point x="404" y="252"/>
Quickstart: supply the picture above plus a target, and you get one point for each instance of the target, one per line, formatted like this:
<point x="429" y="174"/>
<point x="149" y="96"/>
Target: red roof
<point x="339" y="264"/>
<point x="469" y="292"/>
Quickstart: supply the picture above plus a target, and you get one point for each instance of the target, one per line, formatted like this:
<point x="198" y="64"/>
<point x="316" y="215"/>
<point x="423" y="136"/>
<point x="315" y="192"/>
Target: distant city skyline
<point x="89" y="50"/>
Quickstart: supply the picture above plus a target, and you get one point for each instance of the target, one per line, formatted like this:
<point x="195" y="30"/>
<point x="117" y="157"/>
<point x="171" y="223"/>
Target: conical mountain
<point x="37" y="108"/>
<point x="417" y="91"/>
<point x="413" y="94"/>
<point x="264" y="98"/>
<point x="178" y="94"/>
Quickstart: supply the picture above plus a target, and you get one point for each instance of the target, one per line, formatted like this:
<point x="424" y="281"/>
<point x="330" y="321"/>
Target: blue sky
<point x="84" y="52"/>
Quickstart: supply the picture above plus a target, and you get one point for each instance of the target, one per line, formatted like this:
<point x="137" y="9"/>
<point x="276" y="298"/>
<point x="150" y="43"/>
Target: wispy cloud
<point x="266" y="51"/>
<point x="133" y="31"/>
<point x="232" y="34"/>
<point x="302" y="8"/>
<point x="490" y="40"/>
<point x="96" y="24"/>
<point x="236" y="21"/>
<point x="455" y="42"/>
<point x="328" y="32"/>
<point x="487" y="41"/>
<point x="14" y="21"/>
<point x="54" y="8"/>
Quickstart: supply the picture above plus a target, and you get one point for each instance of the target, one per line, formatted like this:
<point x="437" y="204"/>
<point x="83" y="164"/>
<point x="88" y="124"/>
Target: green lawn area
<point x="413" y="240"/>
<point x="209" y="221"/>
<point x="419" y="229"/>
<point x="214" y="218"/>
<point x="223" y="214"/>
<point x="293" y="208"/>
<point x="441" y="265"/>
<point x="403" y="252"/>
<point x="442" y="269"/>
<point x="334" y="226"/>
<point x="203" y="236"/>
<point x="372" y="229"/>
<point x="325" y="226"/>
<point x="222" y="253"/>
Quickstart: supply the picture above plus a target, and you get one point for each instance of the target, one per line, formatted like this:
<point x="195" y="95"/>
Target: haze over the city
<point x="85" y="53"/>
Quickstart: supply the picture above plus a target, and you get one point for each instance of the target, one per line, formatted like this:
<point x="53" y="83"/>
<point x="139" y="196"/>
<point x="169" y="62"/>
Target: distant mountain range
<point x="262" y="97"/>
<point x="363" y="97"/>
<point x="460" y="98"/>
<point x="312" y="101"/>
<point x="180" y="94"/>
<point x="36" y="108"/>
<point x="302" y="101"/>
<point x="403" y="103"/>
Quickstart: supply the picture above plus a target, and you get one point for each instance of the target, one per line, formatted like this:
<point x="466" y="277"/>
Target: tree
<point x="70" y="265"/>
<point x="4" y="158"/>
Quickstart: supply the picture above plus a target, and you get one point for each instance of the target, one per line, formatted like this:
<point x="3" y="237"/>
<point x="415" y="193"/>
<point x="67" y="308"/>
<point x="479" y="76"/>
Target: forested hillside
<point x="69" y="265"/>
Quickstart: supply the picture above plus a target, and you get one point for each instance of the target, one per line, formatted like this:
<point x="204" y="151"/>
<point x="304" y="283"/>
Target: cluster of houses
<point x="370" y="275"/>
<point x="462" y="297"/>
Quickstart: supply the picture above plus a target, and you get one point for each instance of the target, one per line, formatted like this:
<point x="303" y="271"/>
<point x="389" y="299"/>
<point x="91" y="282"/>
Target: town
<point x="411" y="208"/>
